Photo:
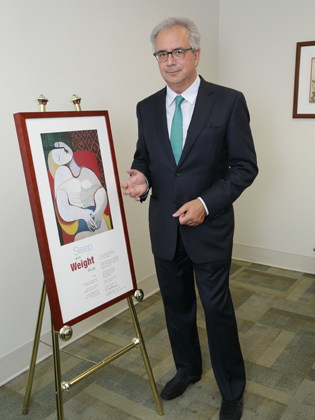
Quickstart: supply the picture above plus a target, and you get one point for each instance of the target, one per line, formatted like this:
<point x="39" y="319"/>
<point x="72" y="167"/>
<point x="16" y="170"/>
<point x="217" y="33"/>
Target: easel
<point x="66" y="333"/>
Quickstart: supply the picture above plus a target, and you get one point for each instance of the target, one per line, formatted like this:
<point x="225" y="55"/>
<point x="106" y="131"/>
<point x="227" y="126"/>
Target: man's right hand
<point x="136" y="184"/>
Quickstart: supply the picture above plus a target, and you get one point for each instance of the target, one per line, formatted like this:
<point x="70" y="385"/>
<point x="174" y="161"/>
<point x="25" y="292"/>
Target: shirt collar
<point x="189" y="95"/>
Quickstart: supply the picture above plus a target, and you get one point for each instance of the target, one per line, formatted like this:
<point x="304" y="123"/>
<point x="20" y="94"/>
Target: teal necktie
<point x="177" y="130"/>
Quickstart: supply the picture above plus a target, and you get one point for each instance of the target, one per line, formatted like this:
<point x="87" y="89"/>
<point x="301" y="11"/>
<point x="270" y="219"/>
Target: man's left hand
<point x="192" y="213"/>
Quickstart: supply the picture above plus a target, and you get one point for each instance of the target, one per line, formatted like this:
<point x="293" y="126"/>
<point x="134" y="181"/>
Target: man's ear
<point x="197" y="57"/>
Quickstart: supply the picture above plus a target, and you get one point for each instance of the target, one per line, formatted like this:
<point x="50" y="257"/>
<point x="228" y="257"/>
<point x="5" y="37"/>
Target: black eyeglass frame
<point x="156" y="54"/>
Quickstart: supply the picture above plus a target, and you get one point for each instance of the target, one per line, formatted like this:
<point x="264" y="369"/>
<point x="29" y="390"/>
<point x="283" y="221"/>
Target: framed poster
<point x="304" y="83"/>
<point x="74" y="191"/>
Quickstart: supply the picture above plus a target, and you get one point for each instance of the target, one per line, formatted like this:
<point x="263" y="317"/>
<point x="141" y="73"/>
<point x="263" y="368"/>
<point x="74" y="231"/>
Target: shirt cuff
<point x="145" y="194"/>
<point x="204" y="205"/>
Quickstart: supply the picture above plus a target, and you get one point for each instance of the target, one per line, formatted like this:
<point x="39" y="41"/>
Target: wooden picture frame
<point x="304" y="82"/>
<point x="74" y="190"/>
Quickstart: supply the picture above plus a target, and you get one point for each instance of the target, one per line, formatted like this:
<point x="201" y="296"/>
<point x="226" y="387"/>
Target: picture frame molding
<point x="300" y="79"/>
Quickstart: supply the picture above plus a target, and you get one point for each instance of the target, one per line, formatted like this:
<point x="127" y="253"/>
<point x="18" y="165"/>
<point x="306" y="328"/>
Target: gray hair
<point x="173" y="22"/>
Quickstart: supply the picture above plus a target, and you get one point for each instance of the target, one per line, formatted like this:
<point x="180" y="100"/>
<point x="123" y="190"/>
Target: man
<point x="191" y="216"/>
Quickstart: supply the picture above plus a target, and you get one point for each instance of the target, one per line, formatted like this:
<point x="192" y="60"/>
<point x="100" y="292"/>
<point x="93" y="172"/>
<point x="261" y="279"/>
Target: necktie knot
<point x="178" y="100"/>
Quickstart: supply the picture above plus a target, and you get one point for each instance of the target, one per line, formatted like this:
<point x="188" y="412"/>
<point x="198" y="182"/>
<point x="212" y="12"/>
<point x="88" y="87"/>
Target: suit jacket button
<point x="177" y="173"/>
<point x="174" y="203"/>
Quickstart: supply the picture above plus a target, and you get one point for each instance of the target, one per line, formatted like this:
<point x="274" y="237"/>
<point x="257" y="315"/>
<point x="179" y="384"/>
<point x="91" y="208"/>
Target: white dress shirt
<point x="187" y="107"/>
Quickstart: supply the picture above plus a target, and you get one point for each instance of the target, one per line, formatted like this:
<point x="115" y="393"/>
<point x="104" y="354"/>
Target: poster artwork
<point x="73" y="184"/>
<point x="77" y="183"/>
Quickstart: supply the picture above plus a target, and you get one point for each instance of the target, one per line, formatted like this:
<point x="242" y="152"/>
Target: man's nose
<point x="170" y="59"/>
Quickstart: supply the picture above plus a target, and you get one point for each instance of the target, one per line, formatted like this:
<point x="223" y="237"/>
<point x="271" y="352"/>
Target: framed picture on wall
<point x="74" y="191"/>
<point x="304" y="83"/>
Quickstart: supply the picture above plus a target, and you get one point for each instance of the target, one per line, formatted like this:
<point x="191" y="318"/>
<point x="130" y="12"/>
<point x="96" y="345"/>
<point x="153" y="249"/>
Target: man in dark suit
<point x="191" y="215"/>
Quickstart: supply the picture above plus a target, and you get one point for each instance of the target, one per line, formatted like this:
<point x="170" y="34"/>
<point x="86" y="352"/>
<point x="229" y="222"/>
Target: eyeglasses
<point x="177" y="54"/>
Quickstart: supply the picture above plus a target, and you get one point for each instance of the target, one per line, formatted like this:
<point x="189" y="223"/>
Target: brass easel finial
<point x="41" y="102"/>
<point x="65" y="333"/>
<point x="76" y="102"/>
<point x="139" y="295"/>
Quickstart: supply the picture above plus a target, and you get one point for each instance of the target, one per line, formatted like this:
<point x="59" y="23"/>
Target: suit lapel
<point x="204" y="104"/>
<point x="161" y="124"/>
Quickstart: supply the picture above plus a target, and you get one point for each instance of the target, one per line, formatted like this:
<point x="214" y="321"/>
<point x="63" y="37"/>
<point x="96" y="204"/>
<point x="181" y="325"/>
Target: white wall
<point x="100" y="51"/>
<point x="257" y="45"/>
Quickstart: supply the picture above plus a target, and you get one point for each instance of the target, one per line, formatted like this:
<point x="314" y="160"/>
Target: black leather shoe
<point x="231" y="410"/>
<point x="177" y="386"/>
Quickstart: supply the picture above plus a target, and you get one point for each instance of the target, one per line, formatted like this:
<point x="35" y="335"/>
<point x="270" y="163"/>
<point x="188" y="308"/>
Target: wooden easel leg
<point x="57" y="372"/>
<point x="35" y="350"/>
<point x="145" y="356"/>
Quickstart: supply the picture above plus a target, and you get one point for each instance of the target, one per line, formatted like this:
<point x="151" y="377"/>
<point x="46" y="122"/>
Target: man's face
<point x="178" y="74"/>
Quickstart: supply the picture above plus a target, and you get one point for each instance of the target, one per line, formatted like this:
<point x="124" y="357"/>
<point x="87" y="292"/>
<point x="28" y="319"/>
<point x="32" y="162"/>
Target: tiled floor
<point x="275" y="310"/>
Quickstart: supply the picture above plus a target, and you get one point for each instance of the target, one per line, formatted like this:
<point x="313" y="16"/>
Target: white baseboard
<point x="17" y="361"/>
<point x="274" y="258"/>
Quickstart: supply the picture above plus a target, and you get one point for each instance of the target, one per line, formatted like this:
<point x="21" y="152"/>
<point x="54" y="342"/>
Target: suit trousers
<point x="177" y="285"/>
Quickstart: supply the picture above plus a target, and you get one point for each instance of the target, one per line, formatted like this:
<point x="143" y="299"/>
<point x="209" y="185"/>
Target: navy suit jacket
<point x="217" y="163"/>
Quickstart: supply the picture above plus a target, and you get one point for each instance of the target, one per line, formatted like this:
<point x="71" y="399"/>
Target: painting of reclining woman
<point x="77" y="183"/>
